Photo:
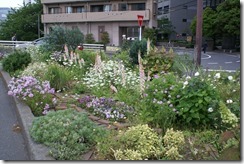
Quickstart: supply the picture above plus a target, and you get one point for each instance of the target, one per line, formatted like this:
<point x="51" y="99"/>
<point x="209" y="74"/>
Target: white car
<point x="35" y="43"/>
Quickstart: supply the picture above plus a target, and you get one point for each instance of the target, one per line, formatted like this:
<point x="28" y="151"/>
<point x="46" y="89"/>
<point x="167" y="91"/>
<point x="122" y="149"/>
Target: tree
<point x="165" y="28"/>
<point x="22" y="21"/>
<point x="151" y="34"/>
<point x="228" y="17"/>
<point x="59" y="36"/>
<point x="222" y="22"/>
<point x="105" y="38"/>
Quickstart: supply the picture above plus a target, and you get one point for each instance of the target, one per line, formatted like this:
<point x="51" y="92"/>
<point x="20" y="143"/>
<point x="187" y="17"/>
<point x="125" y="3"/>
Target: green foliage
<point x="137" y="46"/>
<point x="151" y="34"/>
<point x="89" y="38"/>
<point x="124" y="57"/>
<point x="165" y="28"/>
<point x="68" y="133"/>
<point x="183" y="65"/>
<point x="157" y="108"/>
<point x="197" y="103"/>
<point x="156" y="61"/>
<point x="173" y="143"/>
<point x="58" y="76"/>
<point x="26" y="29"/>
<point x="140" y="140"/>
<point x="17" y="60"/>
<point x="105" y="38"/>
<point x="59" y="36"/>
<point x="228" y="118"/>
<point x="228" y="17"/>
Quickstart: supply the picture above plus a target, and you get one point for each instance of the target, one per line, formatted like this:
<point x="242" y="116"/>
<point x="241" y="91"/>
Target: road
<point x="215" y="60"/>
<point x="12" y="143"/>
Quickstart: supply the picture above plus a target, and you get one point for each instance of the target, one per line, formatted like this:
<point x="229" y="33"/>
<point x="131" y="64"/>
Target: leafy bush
<point x="17" y="60"/>
<point x="173" y="143"/>
<point x="197" y="103"/>
<point x="60" y="36"/>
<point x="156" y="61"/>
<point x="37" y="95"/>
<point x="157" y="106"/>
<point x="68" y="133"/>
<point x="89" y="38"/>
<point x="105" y="38"/>
<point x="139" y="142"/>
<point x="135" y="47"/>
<point x="228" y="118"/>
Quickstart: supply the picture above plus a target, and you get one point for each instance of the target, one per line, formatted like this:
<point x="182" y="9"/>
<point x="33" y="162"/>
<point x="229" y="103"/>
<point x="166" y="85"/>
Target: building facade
<point x="181" y="14"/>
<point x="4" y="12"/>
<point x="117" y="17"/>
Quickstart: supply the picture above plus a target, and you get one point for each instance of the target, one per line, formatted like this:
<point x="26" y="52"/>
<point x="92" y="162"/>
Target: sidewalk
<point x="25" y="118"/>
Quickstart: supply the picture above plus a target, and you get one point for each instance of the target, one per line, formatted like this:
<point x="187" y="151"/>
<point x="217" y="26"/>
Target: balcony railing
<point x="95" y="16"/>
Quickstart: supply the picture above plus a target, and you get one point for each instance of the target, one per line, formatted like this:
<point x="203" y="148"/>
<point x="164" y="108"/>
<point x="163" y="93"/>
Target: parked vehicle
<point x="37" y="42"/>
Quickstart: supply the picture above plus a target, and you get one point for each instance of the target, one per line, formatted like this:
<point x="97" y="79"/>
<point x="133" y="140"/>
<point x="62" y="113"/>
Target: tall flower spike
<point x="148" y="46"/>
<point x="142" y="74"/>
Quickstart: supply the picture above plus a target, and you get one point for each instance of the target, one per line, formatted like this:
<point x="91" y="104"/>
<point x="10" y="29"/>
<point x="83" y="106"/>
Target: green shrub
<point x="89" y="38"/>
<point x="135" y="47"/>
<point x="17" y="60"/>
<point x="58" y="76"/>
<point x="105" y="38"/>
<point x="156" y="61"/>
<point x="157" y="107"/>
<point x="60" y="36"/>
<point x="68" y="133"/>
<point x="151" y="34"/>
<point x="197" y="103"/>
<point x="136" y="143"/>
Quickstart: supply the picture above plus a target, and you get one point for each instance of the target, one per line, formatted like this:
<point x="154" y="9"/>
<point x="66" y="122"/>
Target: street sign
<point x="140" y="19"/>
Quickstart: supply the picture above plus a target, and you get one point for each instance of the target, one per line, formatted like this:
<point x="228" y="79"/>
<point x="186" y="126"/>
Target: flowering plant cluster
<point x="227" y="116"/>
<point x="68" y="58"/>
<point x="111" y="72"/>
<point x="106" y="108"/>
<point x="38" y="95"/>
<point x="36" y="69"/>
<point x="159" y="108"/>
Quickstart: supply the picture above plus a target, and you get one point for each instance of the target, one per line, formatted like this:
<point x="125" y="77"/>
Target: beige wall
<point x="88" y="22"/>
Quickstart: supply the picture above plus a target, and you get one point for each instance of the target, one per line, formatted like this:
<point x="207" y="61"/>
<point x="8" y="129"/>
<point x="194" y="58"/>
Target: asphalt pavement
<point x="12" y="142"/>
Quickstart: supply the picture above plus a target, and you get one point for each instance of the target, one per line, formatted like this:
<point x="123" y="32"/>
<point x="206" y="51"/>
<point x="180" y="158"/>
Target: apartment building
<point x="181" y="14"/>
<point x="117" y="17"/>
<point x="4" y="12"/>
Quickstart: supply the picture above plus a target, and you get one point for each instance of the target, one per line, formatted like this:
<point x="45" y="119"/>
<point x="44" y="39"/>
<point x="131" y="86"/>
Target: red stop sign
<point x="140" y="19"/>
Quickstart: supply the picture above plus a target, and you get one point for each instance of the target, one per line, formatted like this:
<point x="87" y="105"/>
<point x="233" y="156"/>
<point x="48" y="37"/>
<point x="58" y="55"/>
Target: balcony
<point x="95" y="16"/>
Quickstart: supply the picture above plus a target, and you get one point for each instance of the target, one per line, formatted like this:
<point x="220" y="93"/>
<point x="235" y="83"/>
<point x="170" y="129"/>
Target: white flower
<point x="210" y="109"/>
<point x="188" y="77"/>
<point x="186" y="82"/>
<point x="217" y="75"/>
<point x="230" y="78"/>
<point x="229" y="101"/>
<point x="197" y="74"/>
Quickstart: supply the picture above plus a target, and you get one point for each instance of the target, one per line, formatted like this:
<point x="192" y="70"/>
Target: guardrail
<point x="12" y="43"/>
<point x="8" y="43"/>
<point x="94" y="46"/>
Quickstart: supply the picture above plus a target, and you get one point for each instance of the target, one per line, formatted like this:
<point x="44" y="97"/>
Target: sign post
<point x="140" y="20"/>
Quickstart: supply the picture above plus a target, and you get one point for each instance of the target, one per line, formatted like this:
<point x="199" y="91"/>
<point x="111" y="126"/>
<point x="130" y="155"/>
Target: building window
<point x="68" y="9"/>
<point x="107" y="8"/>
<point x="97" y="8"/>
<point x="138" y="6"/>
<point x="122" y="7"/>
<point x="54" y="10"/>
<point x="184" y="20"/>
<point x="78" y="9"/>
<point x="166" y="9"/>
<point x="133" y="32"/>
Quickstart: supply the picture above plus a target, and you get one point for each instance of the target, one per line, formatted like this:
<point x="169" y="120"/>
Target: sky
<point x="11" y="3"/>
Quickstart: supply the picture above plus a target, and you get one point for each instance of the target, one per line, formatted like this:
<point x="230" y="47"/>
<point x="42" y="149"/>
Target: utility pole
<point x="38" y="25"/>
<point x="199" y="33"/>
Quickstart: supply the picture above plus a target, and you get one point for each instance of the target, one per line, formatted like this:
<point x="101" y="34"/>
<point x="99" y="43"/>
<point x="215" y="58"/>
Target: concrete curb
<point x="25" y="116"/>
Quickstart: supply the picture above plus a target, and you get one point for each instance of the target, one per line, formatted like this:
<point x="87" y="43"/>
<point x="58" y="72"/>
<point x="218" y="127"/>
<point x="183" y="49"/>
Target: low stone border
<point x="25" y="117"/>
